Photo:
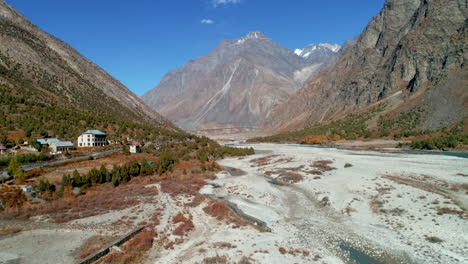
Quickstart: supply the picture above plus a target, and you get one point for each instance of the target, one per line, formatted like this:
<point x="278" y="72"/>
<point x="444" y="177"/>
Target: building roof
<point x="95" y="132"/>
<point x="2" y="147"/>
<point x="42" y="141"/>
<point x="62" y="144"/>
<point x="52" y="140"/>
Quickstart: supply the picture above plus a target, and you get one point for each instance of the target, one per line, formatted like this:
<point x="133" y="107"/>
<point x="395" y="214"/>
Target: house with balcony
<point x="92" y="138"/>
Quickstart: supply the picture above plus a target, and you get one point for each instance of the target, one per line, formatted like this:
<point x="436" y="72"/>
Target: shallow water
<point x="432" y="152"/>
<point x="357" y="255"/>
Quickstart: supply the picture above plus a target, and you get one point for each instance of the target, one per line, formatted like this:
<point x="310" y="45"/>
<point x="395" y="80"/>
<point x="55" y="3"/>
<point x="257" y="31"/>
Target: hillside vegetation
<point x="403" y="125"/>
<point x="48" y="89"/>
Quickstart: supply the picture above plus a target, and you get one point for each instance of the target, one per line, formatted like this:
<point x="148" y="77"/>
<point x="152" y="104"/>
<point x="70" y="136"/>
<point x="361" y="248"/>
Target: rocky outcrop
<point x="235" y="86"/>
<point x="413" y="51"/>
<point x="34" y="62"/>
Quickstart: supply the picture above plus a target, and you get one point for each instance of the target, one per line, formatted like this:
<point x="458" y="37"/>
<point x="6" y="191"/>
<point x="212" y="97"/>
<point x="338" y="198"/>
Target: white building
<point x="92" y="138"/>
<point x="135" y="147"/>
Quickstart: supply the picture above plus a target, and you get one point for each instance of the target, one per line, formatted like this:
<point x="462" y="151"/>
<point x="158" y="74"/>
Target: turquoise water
<point x="311" y="146"/>
<point x="432" y="152"/>
<point x="357" y="255"/>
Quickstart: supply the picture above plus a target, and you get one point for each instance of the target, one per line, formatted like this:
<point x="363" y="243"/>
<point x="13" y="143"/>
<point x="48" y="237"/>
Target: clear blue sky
<point x="139" y="41"/>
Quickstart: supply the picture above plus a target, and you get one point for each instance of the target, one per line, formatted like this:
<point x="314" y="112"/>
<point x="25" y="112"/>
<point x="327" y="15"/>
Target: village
<point x="41" y="152"/>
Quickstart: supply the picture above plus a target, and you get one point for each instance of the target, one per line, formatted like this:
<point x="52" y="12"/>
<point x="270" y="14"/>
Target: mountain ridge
<point x="234" y="86"/>
<point x="412" y="54"/>
<point x="43" y="47"/>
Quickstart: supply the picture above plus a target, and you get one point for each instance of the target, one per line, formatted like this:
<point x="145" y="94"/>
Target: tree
<point x="103" y="175"/>
<point x="14" y="168"/>
<point x="20" y="141"/>
<point x="116" y="179"/>
<point x="134" y="168"/>
<point x="124" y="174"/>
<point x="126" y="150"/>
<point x="35" y="144"/>
<point x="4" y="140"/>
<point x="93" y="176"/>
<point x="145" y="168"/>
<point x="45" y="186"/>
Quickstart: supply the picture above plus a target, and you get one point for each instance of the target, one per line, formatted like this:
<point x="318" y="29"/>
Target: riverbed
<point x="348" y="205"/>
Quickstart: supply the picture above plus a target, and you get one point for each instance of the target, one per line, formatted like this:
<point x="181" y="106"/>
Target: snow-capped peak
<point x="309" y="49"/>
<point x="251" y="35"/>
<point x="334" y="48"/>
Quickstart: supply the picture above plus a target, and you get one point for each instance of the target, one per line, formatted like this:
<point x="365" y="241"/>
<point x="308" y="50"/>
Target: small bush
<point x="434" y="239"/>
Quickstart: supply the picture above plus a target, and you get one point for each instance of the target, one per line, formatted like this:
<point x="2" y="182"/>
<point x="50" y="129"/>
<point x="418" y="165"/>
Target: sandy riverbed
<point x="387" y="207"/>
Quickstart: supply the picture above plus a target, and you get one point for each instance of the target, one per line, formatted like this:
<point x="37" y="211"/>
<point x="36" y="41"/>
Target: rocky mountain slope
<point x="42" y="67"/>
<point x="411" y="55"/>
<point x="236" y="85"/>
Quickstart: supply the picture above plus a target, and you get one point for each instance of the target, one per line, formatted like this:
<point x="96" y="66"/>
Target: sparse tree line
<point x="118" y="175"/>
<point x="24" y="158"/>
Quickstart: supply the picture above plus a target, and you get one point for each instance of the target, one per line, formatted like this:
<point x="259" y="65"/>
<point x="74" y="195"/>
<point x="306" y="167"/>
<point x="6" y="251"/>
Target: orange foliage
<point x="319" y="139"/>
<point x="313" y="139"/>
<point x="12" y="197"/>
<point x="133" y="250"/>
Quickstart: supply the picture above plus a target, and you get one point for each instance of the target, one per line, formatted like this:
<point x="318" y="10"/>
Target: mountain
<point x="313" y="51"/>
<point x="235" y="86"/>
<point x="411" y="57"/>
<point x="41" y="69"/>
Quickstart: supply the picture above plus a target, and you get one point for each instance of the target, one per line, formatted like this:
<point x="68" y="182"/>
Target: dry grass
<point x="224" y="245"/>
<point x="440" y="188"/>
<point x="93" y="244"/>
<point x="376" y="205"/>
<point x="222" y="212"/>
<point x="323" y="165"/>
<point x="98" y="200"/>
<point x="185" y="224"/>
<point x="11" y="197"/>
<point x="217" y="210"/>
<point x="263" y="161"/>
<point x="9" y="231"/>
<point x="289" y="177"/>
<point x="184" y="186"/>
<point x="134" y="250"/>
<point x="294" y="252"/>
<point x="216" y="260"/>
<point x="450" y="211"/>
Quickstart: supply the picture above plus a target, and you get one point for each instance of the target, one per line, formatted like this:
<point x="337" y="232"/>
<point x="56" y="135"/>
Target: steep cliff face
<point x="35" y="63"/>
<point x="412" y="53"/>
<point x="233" y="87"/>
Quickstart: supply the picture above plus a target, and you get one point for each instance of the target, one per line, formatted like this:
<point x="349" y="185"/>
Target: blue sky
<point x="139" y="41"/>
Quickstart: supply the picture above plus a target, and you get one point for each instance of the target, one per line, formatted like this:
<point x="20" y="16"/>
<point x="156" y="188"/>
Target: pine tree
<point x="103" y="174"/>
<point x="14" y="168"/>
